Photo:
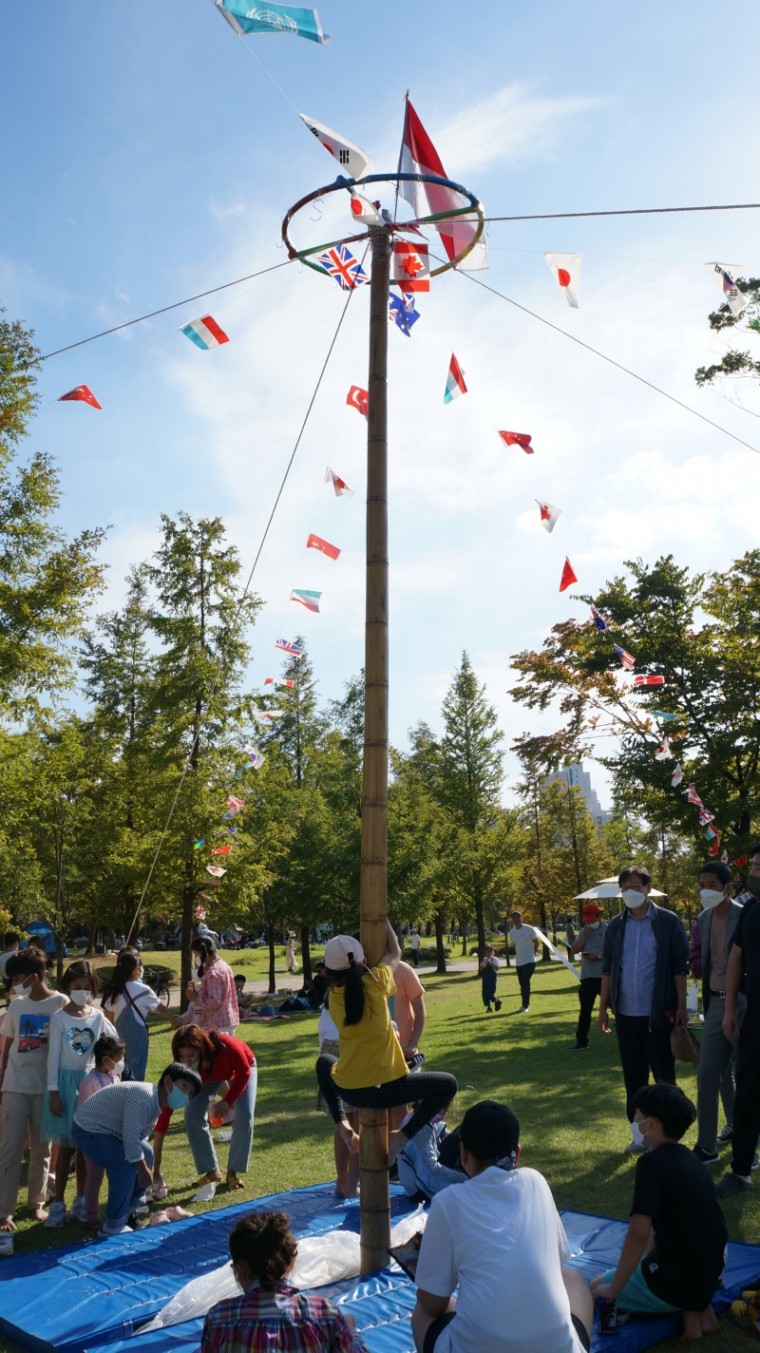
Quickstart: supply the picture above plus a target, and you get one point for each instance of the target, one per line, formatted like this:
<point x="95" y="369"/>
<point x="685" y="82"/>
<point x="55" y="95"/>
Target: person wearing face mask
<point x="112" y="1129"/>
<point x="711" y="940"/>
<point x="744" y="967"/>
<point x="590" y="945"/>
<point x="644" y="967"/>
<point x="23" y="1081"/>
<point x="108" y="1070"/>
<point x="74" y="1031"/>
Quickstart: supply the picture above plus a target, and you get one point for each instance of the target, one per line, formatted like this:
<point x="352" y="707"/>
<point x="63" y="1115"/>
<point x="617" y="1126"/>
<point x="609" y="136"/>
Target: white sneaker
<point x="79" y="1209"/>
<point x="106" y="1230"/>
<point x="55" y="1217"/>
<point x="6" y="1244"/>
<point x="523" y="1010"/>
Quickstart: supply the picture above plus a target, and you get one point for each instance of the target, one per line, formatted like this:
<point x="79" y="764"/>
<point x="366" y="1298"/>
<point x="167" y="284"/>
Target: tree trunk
<point x="186" y="958"/>
<point x="270" y="942"/>
<point x="546" y="953"/>
<point x="306" y="952"/>
<point x="440" y="952"/>
<point x="463" y="926"/>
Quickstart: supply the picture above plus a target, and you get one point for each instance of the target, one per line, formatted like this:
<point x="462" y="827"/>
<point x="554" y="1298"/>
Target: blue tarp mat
<point x="90" y="1298"/>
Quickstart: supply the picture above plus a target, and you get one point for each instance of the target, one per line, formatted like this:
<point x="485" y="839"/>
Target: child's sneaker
<point x="55" y="1217"/>
<point x="79" y="1208"/>
<point x="108" y="1230"/>
<point x="6" y="1245"/>
<point x="745" y="1314"/>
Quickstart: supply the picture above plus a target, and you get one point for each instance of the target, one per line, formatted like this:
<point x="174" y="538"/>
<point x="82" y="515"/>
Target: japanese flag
<point x="567" y="270"/>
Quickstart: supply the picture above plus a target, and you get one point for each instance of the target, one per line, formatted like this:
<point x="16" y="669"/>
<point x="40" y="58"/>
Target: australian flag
<point x="340" y="263"/>
<point x="598" y="619"/>
<point x="402" y="314"/>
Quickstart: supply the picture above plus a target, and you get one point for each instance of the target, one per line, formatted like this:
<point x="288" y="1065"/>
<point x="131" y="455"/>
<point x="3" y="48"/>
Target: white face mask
<point x="636" y="1134"/>
<point x="78" y="997"/>
<point x="592" y="925"/>
<point x="20" y="990"/>
<point x="633" y="898"/>
<point x="710" y="897"/>
<point x="118" y="1068"/>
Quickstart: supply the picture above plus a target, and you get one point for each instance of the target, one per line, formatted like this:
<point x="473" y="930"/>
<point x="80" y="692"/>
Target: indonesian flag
<point x="455" y="385"/>
<point x="419" y="156"/>
<point x="205" y="333"/>
<point x="358" y="399"/>
<point x="567" y="270"/>
<point x="83" y="395"/>
<point x="649" y="680"/>
<point x="340" y="486"/>
<point x="627" y="659"/>
<point x="549" y="515"/>
<point x="411" y="265"/>
<point x="354" y="161"/>
<point x="317" y="543"/>
<point x="568" y="576"/>
<point x="518" y="439"/>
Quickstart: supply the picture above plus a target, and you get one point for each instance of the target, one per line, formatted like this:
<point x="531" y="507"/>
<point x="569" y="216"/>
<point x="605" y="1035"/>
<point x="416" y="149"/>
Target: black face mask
<point x="753" y="884"/>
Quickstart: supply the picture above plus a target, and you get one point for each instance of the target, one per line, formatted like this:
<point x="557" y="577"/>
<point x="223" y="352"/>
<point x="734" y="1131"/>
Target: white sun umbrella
<point x="607" y="888"/>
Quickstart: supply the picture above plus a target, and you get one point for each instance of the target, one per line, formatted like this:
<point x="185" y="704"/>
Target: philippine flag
<point x="567" y="270"/>
<point x="455" y="385"/>
<point x="205" y="333"/>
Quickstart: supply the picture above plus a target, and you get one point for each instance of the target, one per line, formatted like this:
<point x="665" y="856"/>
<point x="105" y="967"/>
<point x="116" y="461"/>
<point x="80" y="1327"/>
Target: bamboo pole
<point x="375" y="1219"/>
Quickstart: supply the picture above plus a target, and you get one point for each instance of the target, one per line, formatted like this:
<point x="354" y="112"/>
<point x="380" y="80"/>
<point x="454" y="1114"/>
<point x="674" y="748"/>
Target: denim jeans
<point x="199" y="1136"/>
<point x="123" y="1187"/>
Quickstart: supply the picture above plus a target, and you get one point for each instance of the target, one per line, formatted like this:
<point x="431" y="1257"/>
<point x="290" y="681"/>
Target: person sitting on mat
<point x="371" y="1067"/>
<point x="498" y="1232"/>
<point x="271" y="1313"/>
<point x="673" y="1255"/>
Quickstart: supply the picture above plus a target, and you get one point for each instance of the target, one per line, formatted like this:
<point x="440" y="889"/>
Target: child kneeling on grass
<point x="674" y="1253"/>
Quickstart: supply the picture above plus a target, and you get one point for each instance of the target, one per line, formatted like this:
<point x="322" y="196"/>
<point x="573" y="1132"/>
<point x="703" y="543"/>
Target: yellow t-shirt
<point x="369" y="1052"/>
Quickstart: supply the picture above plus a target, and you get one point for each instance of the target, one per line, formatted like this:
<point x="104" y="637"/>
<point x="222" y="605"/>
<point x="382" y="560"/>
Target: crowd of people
<point x="73" y="1088"/>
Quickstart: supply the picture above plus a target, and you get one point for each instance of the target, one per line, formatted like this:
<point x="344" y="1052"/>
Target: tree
<point x="702" y="634"/>
<point x="734" y="363"/>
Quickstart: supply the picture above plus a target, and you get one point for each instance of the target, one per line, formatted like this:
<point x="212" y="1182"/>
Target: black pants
<point x="642" y="1049"/>
<point x="435" y="1089"/>
<point x="524" y="974"/>
<point x="590" y="988"/>
<point x="747" y="1103"/>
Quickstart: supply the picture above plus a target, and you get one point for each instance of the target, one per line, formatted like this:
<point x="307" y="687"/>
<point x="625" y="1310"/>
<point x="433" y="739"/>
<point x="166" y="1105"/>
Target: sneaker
<point x="523" y="1010"/>
<point x="497" y="1005"/>
<point x="745" y="1314"/>
<point x="108" y="1230"/>
<point x="734" y="1183"/>
<point x="706" y="1157"/>
<point x="726" y="1134"/>
<point x="6" y="1245"/>
<point x="55" y="1217"/>
<point x="79" y="1208"/>
<point x="578" y="1047"/>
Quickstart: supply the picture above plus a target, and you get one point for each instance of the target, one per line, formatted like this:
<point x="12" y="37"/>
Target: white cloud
<point x="508" y="125"/>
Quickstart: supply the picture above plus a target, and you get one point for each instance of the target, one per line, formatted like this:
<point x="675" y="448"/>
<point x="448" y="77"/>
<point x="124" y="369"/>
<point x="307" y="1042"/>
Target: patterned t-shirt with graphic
<point x="27" y="1026"/>
<point x="72" y="1039"/>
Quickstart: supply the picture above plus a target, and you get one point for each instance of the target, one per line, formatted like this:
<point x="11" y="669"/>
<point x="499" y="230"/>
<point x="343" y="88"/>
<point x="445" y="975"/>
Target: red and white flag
<point x="341" y="487"/>
<point x="549" y="515"/>
<point x="419" y="156"/>
<point x="365" y="212"/>
<point x="411" y="265"/>
<point x="649" y="680"/>
<point x="663" y="752"/>
<point x="568" y="576"/>
<point x="567" y="270"/>
<point x="280" y="681"/>
<point x="676" y="777"/>
<point x="518" y="439"/>
<point x="83" y="395"/>
<point x="358" y="399"/>
<point x="317" y="543"/>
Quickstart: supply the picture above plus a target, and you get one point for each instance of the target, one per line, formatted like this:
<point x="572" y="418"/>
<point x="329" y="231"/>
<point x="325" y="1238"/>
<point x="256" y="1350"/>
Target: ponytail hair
<point x="351" y="979"/>
<point x="204" y="946"/>
<point x="125" y="971"/>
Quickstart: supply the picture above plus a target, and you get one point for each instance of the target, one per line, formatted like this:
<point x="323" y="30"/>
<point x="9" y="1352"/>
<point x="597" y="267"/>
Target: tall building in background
<point x="578" y="778"/>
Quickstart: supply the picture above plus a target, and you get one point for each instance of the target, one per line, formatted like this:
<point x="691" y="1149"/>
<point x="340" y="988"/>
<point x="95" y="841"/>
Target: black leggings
<point x="435" y="1089"/>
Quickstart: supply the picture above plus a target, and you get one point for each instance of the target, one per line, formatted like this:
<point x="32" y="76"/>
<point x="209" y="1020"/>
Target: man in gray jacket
<point x="708" y="958"/>
<point x="644" y="969"/>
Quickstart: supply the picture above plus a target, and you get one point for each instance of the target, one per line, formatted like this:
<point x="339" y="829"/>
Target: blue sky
<point x="152" y="157"/>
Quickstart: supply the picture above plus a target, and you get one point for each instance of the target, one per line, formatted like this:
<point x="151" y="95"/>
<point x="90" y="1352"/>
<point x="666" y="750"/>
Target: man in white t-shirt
<point x="524" y="939"/>
<point x="498" y="1232"/>
<point x="414" y="945"/>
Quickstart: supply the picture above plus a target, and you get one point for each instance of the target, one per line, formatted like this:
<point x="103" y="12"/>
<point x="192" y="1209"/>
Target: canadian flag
<point x="411" y="266"/>
<point x="567" y="270"/>
<point x="549" y="515"/>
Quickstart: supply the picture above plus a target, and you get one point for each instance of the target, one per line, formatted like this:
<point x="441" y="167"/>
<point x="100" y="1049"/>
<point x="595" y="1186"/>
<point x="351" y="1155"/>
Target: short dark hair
<point x="26" y="963"/>
<point x="178" y="1072"/>
<point x="721" y="871"/>
<point x="240" y="977"/>
<point x="10" y="937"/>
<point x="636" y="869"/>
<point x="107" y="1046"/>
<point x="490" y="1130"/>
<point x="265" y="1242"/>
<point x="669" y="1105"/>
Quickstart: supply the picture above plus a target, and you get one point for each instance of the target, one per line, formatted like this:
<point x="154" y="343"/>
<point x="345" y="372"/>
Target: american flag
<point x="627" y="659"/>
<point x="285" y="646"/>
<point x="340" y="263"/>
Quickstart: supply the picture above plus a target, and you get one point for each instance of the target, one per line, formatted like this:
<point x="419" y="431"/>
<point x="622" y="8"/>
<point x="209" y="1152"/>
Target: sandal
<point x="233" y="1181"/>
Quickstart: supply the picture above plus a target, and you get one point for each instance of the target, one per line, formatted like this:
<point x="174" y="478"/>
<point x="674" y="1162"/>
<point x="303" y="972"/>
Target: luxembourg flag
<point x="205" y="333"/>
<point x="455" y="385"/>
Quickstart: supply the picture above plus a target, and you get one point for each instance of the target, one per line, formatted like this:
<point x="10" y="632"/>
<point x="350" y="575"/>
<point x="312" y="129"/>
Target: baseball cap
<point x="338" y="950"/>
<point x="515" y="913"/>
<point x="590" y="911"/>
<point x="490" y="1130"/>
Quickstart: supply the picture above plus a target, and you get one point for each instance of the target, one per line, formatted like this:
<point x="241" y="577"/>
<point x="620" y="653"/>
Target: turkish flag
<point x="358" y="399"/>
<point x="568" y="576"/>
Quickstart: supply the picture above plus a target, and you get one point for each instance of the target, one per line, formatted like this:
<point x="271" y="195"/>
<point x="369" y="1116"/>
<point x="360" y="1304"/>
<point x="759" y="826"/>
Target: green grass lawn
<point x="570" y="1105"/>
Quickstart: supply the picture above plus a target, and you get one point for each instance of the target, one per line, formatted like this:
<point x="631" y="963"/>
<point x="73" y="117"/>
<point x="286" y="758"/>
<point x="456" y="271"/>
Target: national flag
<point x="549" y="515"/>
<point x="568" y="575"/>
<point x="598" y="619"/>
<point x="352" y="159"/>
<point x="216" y="871"/>
<point x="419" y="156"/>
<point x="710" y="833"/>
<point x="676" y="777"/>
<point x="82" y="395"/>
<point x="358" y="399"/>
<point x="627" y="659"/>
<point x="265" y="716"/>
<point x="307" y="598"/>
<point x="340" y="263"/>
<point x="279" y="681"/>
<point x="222" y="850"/>
<point x="648" y="679"/>
<point x="663" y="752"/>
<point x="199" y="843"/>
<point x="324" y="546"/>
<point x="724" y="856"/>
<point x="705" y="816"/>
<point x="200" y="913"/>
<point x="402" y="314"/>
<point x="740" y="861"/>
<point x="692" y="796"/>
<point x="411" y="265"/>
<point x="255" y="757"/>
<point x="663" y="717"/>
<point x="285" y="646"/>
<point x="455" y="385"/>
<point x="567" y="270"/>
<point x="518" y="439"/>
<point x="205" y="333"/>
<point x="715" y="847"/>
<point x="234" y="804"/>
<point x="245" y="17"/>
<point x="365" y="212"/>
<point x="735" y="299"/>
<point x="340" y="486"/>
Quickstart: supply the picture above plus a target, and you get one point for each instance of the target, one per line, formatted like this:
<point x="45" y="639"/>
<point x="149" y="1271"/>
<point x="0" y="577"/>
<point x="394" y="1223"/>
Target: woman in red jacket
<point x="227" y="1068"/>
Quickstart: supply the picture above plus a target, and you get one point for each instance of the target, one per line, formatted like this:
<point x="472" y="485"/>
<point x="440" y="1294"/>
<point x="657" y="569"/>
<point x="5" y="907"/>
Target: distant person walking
<point x="590" y="945"/>
<point x="414" y="945"/>
<point x="524" y="939"/>
<point x="489" y="967"/>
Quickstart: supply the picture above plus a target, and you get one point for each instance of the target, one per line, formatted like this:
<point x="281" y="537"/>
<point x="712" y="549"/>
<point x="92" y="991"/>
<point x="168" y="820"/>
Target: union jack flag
<point x="286" y="646"/>
<point x="340" y="263"/>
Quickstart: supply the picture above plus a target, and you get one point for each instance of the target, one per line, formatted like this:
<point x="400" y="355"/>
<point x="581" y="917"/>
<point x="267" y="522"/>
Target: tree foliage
<point x="734" y="362"/>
